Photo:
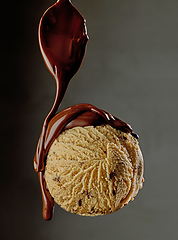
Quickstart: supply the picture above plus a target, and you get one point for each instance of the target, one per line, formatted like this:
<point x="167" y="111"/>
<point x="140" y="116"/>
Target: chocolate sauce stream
<point x="62" y="41"/>
<point x="48" y="201"/>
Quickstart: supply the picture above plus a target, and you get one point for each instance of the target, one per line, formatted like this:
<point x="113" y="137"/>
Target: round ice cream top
<point x="94" y="170"/>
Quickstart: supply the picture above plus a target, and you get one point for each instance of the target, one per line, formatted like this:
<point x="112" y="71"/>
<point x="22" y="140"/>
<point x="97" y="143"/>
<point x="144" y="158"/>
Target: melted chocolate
<point x="81" y="115"/>
<point x="62" y="40"/>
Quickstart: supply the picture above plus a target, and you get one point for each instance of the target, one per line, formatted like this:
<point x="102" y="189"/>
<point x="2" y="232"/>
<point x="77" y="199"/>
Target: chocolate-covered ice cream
<point x="88" y="161"/>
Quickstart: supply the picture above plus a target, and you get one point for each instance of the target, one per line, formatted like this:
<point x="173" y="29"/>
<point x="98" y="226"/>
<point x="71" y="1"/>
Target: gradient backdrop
<point x="130" y="70"/>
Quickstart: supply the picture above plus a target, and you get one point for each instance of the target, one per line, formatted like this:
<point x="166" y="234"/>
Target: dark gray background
<point x="130" y="70"/>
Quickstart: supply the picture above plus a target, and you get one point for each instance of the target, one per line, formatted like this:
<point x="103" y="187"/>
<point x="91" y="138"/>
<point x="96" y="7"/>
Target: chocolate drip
<point x="77" y="115"/>
<point x="48" y="201"/>
<point x="62" y="41"/>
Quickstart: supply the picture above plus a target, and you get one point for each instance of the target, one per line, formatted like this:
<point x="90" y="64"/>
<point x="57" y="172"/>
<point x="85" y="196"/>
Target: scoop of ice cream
<point x="94" y="170"/>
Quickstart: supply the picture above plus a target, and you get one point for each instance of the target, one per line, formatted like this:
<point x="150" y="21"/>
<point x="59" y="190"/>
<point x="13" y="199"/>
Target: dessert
<point x="87" y="160"/>
<point x="94" y="170"/>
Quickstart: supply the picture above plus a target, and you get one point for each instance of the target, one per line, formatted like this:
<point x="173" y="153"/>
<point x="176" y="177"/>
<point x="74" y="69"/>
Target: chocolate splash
<point x="62" y="40"/>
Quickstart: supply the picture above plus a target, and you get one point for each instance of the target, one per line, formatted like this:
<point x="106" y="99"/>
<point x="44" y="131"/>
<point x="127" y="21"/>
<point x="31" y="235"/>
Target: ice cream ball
<point x="94" y="170"/>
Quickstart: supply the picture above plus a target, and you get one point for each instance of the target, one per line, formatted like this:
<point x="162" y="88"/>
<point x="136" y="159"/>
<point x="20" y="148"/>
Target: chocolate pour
<point x="62" y="41"/>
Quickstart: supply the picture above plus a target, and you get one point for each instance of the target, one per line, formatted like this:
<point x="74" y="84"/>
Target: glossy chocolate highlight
<point x="62" y="40"/>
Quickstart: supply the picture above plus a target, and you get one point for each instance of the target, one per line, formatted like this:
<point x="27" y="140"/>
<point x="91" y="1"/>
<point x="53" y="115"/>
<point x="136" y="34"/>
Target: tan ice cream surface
<point x="94" y="170"/>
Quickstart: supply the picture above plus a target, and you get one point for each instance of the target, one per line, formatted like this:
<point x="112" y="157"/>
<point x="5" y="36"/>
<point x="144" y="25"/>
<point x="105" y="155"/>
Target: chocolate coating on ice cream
<point x="62" y="40"/>
<point x="77" y="115"/>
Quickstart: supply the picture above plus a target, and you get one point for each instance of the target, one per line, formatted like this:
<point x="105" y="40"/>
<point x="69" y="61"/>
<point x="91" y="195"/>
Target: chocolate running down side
<point x="77" y="115"/>
<point x="62" y="40"/>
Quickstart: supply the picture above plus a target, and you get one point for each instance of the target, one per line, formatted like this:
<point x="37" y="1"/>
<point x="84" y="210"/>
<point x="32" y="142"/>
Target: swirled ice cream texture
<point x="94" y="170"/>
